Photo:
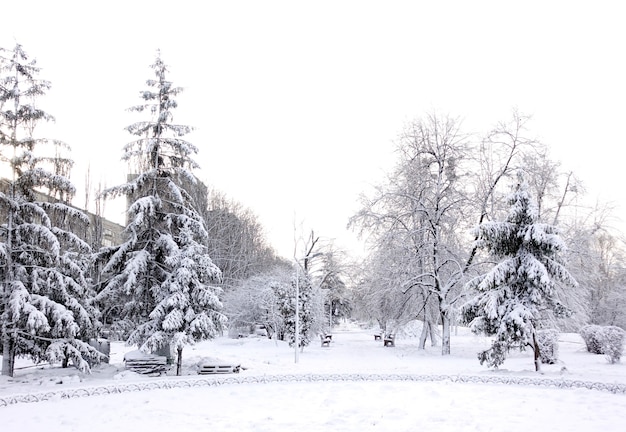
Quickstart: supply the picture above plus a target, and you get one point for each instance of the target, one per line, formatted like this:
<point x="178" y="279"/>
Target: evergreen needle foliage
<point x="44" y="295"/>
<point x="161" y="275"/>
<point x="508" y="301"/>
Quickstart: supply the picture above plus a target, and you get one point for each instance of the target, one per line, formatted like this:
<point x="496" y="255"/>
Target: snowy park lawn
<point x="356" y="384"/>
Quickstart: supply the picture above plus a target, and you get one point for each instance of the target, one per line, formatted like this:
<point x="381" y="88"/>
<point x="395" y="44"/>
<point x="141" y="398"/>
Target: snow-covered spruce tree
<point x="43" y="292"/>
<point x="307" y="322"/>
<point x="162" y="274"/>
<point x="509" y="299"/>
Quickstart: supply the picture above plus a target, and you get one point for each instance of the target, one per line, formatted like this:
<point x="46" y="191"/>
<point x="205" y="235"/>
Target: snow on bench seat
<point x="146" y="364"/>
<point x="207" y="369"/>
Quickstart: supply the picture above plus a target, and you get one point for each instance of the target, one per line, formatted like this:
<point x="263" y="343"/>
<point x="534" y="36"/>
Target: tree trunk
<point x="536" y="351"/>
<point x="445" y="334"/>
<point x="432" y="328"/>
<point x="8" y="355"/>
<point x="426" y="330"/>
<point x="179" y="361"/>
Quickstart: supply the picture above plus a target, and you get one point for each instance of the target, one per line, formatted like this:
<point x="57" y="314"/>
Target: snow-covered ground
<point x="354" y="385"/>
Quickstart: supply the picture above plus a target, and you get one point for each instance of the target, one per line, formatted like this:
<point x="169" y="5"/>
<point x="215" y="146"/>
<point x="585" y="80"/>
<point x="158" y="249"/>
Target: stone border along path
<point x="263" y="379"/>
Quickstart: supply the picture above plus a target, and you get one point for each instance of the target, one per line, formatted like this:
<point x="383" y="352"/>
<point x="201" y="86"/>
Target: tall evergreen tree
<point x="511" y="298"/>
<point x="286" y="295"/>
<point x="43" y="291"/>
<point x="162" y="273"/>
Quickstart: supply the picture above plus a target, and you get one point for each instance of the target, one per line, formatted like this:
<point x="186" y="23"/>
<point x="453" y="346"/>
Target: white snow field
<point x="356" y="384"/>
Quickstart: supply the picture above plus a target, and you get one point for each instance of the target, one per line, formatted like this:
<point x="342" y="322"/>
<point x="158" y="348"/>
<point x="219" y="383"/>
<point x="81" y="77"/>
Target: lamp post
<point x="297" y="336"/>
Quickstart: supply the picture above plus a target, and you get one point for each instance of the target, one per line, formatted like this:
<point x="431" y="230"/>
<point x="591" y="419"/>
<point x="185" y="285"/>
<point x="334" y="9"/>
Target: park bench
<point x="326" y="339"/>
<point x="208" y="369"/>
<point x="378" y="336"/>
<point x="146" y="364"/>
<point x="389" y="340"/>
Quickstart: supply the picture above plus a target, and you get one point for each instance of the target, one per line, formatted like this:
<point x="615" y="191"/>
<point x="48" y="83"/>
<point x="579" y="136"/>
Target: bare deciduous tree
<point x="443" y="184"/>
<point x="237" y="241"/>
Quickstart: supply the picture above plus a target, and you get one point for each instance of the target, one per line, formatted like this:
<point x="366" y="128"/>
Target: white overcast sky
<point x="297" y="104"/>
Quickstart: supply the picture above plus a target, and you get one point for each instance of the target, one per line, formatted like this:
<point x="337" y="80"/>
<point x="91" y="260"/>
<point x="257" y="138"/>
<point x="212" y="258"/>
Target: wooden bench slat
<point x="146" y="364"/>
<point x="216" y="369"/>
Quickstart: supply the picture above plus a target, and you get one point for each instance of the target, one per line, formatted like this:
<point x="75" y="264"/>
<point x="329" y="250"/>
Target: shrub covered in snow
<point x="548" y="341"/>
<point x="592" y="335"/>
<point x="613" y="343"/>
<point x="608" y="340"/>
